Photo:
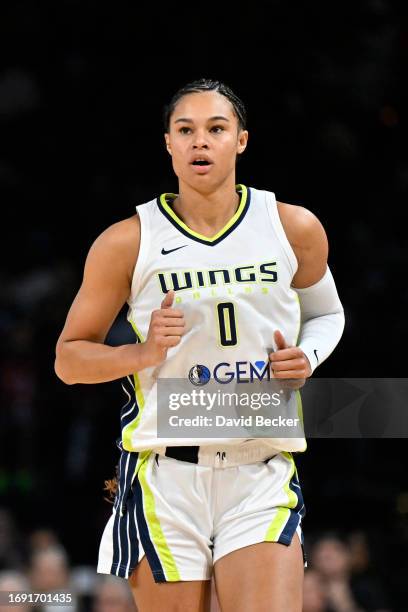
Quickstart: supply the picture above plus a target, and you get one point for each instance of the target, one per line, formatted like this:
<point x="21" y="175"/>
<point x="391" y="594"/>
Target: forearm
<point x="322" y="320"/>
<point x="85" y="362"/>
<point x="319" y="337"/>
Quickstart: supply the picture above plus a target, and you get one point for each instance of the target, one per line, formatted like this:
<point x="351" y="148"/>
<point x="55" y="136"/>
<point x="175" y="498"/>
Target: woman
<point x="213" y="277"/>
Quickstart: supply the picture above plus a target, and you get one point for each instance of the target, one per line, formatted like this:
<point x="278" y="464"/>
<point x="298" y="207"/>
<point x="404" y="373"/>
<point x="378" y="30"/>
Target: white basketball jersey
<point x="235" y="291"/>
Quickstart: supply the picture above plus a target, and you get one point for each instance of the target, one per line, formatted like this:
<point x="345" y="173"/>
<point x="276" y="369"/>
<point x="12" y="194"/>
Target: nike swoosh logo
<point x="315" y="352"/>
<point x="164" y="252"/>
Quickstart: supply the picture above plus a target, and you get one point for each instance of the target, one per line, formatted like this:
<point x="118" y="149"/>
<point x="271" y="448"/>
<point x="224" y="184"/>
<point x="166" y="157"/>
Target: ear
<point x="242" y="141"/>
<point x="167" y="139"/>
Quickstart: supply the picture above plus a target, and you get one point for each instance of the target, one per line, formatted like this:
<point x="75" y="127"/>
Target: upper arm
<point x="106" y="283"/>
<point x="309" y="242"/>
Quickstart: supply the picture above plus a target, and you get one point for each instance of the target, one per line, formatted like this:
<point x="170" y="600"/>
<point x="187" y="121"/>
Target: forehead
<point x="201" y="105"/>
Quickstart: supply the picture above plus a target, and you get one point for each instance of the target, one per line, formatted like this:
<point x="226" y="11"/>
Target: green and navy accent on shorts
<point x="289" y="517"/>
<point x="125" y="537"/>
<point x="136" y="524"/>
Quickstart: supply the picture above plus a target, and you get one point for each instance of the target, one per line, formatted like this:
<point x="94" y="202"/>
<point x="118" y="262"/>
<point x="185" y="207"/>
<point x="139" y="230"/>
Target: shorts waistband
<point x="219" y="458"/>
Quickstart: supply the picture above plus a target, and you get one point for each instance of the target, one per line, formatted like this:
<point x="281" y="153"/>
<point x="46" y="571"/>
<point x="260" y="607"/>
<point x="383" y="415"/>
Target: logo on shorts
<point x="199" y="375"/>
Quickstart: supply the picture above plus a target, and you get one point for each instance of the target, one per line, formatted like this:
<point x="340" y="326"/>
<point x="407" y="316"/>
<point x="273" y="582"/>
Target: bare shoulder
<point x="121" y="234"/>
<point x="301" y="226"/>
<point x="119" y="244"/>
<point x="308" y="240"/>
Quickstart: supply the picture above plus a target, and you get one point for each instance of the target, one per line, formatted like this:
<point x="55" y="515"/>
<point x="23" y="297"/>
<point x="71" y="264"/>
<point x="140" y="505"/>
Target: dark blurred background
<point x="82" y="87"/>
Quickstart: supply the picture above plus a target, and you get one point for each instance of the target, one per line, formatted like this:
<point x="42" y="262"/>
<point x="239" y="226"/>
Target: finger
<point x="289" y="374"/>
<point x="170" y="331"/>
<point x="164" y="320"/>
<point x="288" y="364"/>
<point x="172" y="312"/>
<point x="159" y="322"/>
<point x="168" y="299"/>
<point x="294" y="352"/>
<point x="178" y="324"/>
<point x="280" y="340"/>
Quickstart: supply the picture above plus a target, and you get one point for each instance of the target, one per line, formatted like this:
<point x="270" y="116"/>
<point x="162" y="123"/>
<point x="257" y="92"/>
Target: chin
<point x="202" y="183"/>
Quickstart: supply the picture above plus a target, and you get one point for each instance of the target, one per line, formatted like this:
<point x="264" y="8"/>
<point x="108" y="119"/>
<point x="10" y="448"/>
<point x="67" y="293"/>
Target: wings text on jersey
<point x="198" y="279"/>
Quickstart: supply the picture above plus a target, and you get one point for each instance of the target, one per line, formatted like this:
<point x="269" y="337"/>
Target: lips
<point x="201" y="168"/>
<point x="200" y="159"/>
<point x="201" y="163"/>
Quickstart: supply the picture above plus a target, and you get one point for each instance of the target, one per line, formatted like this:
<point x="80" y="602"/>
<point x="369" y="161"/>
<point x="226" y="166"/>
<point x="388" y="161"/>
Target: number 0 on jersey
<point x="227" y="324"/>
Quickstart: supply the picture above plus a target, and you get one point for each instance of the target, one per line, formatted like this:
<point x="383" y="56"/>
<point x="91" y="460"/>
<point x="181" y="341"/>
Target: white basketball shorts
<point x="185" y="516"/>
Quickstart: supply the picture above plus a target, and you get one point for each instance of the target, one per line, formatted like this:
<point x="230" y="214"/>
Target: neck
<point x="206" y="213"/>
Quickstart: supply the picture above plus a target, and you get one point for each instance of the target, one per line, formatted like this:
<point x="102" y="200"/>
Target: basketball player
<point x="217" y="275"/>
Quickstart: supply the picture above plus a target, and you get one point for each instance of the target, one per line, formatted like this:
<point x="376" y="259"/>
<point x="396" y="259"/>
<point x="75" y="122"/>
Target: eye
<point x="184" y="130"/>
<point x="217" y="128"/>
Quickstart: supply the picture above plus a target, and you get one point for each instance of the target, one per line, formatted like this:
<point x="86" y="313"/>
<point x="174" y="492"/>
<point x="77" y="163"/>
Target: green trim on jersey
<point x="297" y="392"/>
<point x="138" y="333"/>
<point x="128" y="431"/>
<point x="235" y="220"/>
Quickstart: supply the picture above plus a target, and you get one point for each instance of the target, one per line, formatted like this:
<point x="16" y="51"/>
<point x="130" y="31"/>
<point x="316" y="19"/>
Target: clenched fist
<point x="166" y="327"/>
<point x="289" y="362"/>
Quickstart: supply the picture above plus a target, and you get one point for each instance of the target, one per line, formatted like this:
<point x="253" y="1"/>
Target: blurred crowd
<point x="37" y="562"/>
<point x="340" y="575"/>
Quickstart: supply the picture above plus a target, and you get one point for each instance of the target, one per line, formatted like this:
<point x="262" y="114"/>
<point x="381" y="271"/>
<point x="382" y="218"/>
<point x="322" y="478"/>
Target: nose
<point x="200" y="141"/>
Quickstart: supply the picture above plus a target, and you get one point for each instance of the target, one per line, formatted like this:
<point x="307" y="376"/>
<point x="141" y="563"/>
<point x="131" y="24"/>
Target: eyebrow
<point x="216" y="118"/>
